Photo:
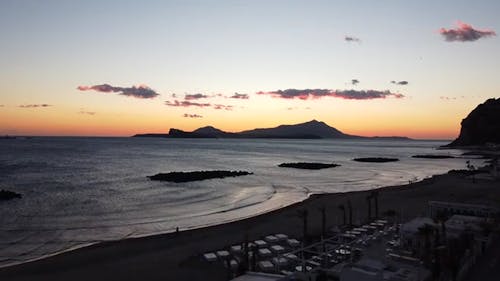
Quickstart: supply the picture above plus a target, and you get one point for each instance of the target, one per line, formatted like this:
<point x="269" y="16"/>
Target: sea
<point x="79" y="191"/>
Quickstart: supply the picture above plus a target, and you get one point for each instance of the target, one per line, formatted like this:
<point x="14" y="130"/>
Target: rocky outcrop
<point x="481" y="126"/>
<point x="308" y="165"/>
<point x="197" y="175"/>
<point x="375" y="159"/>
<point x="433" y="156"/>
<point x="8" y="195"/>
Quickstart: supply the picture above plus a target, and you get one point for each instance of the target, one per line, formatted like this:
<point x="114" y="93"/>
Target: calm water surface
<point x="78" y="191"/>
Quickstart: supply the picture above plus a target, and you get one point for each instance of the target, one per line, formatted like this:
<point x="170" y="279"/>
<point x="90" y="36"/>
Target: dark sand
<point x="176" y="256"/>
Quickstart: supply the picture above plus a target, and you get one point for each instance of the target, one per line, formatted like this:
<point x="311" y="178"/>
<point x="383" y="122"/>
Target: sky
<point x="371" y="68"/>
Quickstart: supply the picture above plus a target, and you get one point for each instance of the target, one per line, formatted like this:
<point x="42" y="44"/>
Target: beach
<point x="177" y="256"/>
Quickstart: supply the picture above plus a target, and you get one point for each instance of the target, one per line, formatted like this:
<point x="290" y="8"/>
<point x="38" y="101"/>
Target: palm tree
<point x="349" y="206"/>
<point x="342" y="208"/>
<point x="472" y="170"/>
<point x="375" y="197"/>
<point x="441" y="218"/>
<point x="245" y="251"/>
<point x="426" y="231"/>
<point x="304" y="215"/>
<point x="390" y="214"/>
<point x="369" y="201"/>
<point x="322" y="209"/>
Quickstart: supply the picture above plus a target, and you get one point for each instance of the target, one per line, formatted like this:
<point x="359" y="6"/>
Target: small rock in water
<point x="197" y="175"/>
<point x="8" y="195"/>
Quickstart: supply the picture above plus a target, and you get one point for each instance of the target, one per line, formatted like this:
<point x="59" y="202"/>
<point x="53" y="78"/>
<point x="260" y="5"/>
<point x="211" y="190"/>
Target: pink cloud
<point x="195" y="96"/>
<point x="320" y="93"/>
<point x="221" y="106"/>
<point x="34" y="105"/>
<point x="139" y="91"/>
<point x="177" y="103"/>
<point x="239" y="96"/>
<point x="464" y="32"/>
<point x="186" y="115"/>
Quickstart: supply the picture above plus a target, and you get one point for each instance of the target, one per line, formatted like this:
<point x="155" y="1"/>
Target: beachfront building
<point x="476" y="227"/>
<point x="258" y="276"/>
<point x="375" y="270"/>
<point x="414" y="233"/>
<point x="452" y="208"/>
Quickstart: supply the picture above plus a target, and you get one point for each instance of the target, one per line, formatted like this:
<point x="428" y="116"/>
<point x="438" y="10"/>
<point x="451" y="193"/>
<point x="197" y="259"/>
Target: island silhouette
<point x="309" y="130"/>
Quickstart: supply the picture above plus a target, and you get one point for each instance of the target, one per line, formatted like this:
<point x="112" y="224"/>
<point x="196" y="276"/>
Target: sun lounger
<point x="236" y="249"/>
<point x="281" y="236"/>
<point x="291" y="256"/>
<point x="210" y="257"/>
<point x="222" y="254"/>
<point x="279" y="261"/>
<point x="293" y="243"/>
<point x="260" y="243"/>
<point x="271" y="239"/>
<point x="265" y="252"/>
<point x="277" y="249"/>
<point x="266" y="266"/>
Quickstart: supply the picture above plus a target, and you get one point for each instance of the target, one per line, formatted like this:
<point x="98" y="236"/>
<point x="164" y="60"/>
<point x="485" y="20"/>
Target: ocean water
<point x="79" y="191"/>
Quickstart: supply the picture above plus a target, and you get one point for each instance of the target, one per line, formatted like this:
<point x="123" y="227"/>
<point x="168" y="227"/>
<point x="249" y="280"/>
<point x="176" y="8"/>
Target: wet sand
<point x="176" y="256"/>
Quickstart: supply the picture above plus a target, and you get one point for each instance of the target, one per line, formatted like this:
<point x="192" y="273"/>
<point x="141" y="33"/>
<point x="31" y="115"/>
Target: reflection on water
<point x="85" y="190"/>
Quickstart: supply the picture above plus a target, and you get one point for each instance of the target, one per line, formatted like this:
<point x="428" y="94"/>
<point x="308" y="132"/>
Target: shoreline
<point x="175" y="255"/>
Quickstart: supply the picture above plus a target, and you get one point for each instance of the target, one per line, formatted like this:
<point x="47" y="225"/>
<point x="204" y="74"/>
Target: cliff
<point x="481" y="126"/>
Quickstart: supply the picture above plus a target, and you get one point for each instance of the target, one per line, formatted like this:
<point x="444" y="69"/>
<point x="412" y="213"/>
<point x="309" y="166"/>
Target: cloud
<point x="239" y="96"/>
<point x="186" y="115"/>
<point x="140" y="91"/>
<point x="348" y="38"/>
<point x="354" y="82"/>
<point x="195" y="96"/>
<point x="86" y="112"/>
<point x="177" y="103"/>
<point x="221" y="106"/>
<point x="400" y="82"/>
<point x="1" y="105"/>
<point x="34" y="105"/>
<point x="464" y="32"/>
<point x="320" y="93"/>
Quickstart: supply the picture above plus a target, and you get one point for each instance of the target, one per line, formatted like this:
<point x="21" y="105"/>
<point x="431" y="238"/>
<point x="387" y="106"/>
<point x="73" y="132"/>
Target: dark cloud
<point x="222" y="106"/>
<point x="464" y="32"/>
<point x="86" y="112"/>
<point x="354" y="82"/>
<point x="297" y="108"/>
<point x="186" y="104"/>
<point x="348" y="38"/>
<point x="1" y="105"/>
<point x="451" y="98"/>
<point x="400" y="82"/>
<point x="239" y="96"/>
<point x="186" y="115"/>
<point x="141" y="91"/>
<point x="34" y="105"/>
<point x="195" y="96"/>
<point x="320" y="93"/>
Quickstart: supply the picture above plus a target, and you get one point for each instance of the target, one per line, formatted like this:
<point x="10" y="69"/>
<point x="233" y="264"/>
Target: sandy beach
<point x="176" y="256"/>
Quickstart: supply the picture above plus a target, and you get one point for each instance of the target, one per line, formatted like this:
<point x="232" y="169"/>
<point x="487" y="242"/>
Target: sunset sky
<point x="117" y="68"/>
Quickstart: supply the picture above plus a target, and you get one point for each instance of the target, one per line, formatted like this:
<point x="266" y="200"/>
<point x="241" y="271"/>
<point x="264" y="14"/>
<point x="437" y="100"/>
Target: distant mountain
<point x="312" y="129"/>
<point x="481" y="126"/>
<point x="309" y="130"/>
